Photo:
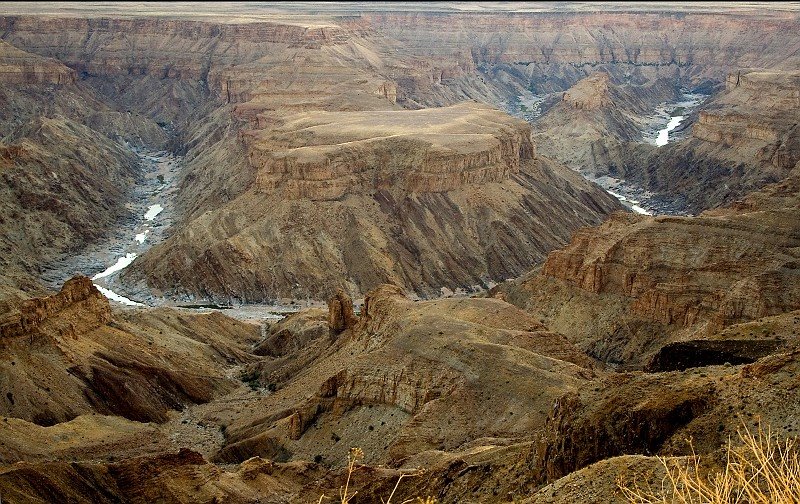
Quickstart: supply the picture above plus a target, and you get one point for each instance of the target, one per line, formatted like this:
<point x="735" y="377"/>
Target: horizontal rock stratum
<point x="326" y="155"/>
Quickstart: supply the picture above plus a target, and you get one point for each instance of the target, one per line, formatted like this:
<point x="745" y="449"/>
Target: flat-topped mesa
<point x="430" y="150"/>
<point x="591" y="93"/>
<point x="31" y="313"/>
<point x="20" y="67"/>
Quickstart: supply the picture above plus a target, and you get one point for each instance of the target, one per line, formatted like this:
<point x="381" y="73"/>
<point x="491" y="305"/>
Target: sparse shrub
<point x="250" y="378"/>
<point x="763" y="470"/>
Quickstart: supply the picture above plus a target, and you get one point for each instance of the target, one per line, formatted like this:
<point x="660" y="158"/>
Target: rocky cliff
<point x="399" y="369"/>
<point x="530" y="48"/>
<point x="639" y="282"/>
<point x="66" y="355"/>
<point x="402" y="152"/>
<point x="27" y="318"/>
<point x="744" y="138"/>
<point x="19" y="67"/>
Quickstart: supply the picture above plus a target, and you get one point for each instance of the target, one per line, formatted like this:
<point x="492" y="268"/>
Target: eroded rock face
<point x="19" y="67"/>
<point x="473" y="206"/>
<point x="340" y="313"/>
<point x="66" y="355"/>
<point x="744" y="138"/>
<point x="619" y="258"/>
<point x="403" y="368"/>
<point x="644" y="45"/>
<point x="624" y="289"/>
<point x="403" y="152"/>
<point x="31" y="314"/>
<point x="590" y="93"/>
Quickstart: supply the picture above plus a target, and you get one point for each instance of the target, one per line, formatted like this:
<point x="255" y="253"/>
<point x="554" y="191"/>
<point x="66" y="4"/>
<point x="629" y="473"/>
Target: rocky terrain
<point x="482" y="321"/>
<point x="57" y="136"/>
<point x="421" y="199"/>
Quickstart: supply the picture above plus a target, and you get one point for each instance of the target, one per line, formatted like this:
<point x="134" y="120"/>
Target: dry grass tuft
<point x="353" y="458"/>
<point x="763" y="470"/>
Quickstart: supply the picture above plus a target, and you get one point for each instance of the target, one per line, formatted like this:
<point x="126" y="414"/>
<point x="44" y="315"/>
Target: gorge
<point x="512" y="252"/>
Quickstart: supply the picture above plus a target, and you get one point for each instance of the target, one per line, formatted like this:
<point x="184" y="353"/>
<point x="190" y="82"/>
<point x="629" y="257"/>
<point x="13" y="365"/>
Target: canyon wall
<point x="741" y="140"/>
<point x="548" y="51"/>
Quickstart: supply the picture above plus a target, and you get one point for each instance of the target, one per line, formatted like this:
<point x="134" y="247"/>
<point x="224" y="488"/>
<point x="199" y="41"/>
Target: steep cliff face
<point x="744" y="138"/>
<point x="532" y="48"/>
<point x="19" y="67"/>
<point x="424" y="151"/>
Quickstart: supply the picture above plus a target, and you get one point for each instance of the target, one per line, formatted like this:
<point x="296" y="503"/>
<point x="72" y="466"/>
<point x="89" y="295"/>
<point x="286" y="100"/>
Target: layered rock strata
<point x="450" y="197"/>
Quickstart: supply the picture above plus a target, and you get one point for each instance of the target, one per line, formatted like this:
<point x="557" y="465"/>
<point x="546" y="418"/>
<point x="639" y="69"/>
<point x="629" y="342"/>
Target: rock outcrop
<point x="399" y="369"/>
<point x="635" y="283"/>
<point x="402" y="152"/>
<point x="27" y="318"/>
<point x="340" y="313"/>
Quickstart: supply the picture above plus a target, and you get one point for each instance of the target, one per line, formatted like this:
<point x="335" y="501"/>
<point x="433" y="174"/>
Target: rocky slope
<point x="389" y="382"/>
<point x="66" y="355"/>
<point x="269" y="126"/>
<point x="309" y="174"/>
<point x="549" y="51"/>
<point x="408" y="382"/>
<point x="745" y="138"/>
<point x="597" y="121"/>
<point x="636" y="283"/>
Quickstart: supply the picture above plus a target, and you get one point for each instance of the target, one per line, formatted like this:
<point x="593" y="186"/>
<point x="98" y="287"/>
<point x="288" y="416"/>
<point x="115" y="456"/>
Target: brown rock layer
<point x="340" y="313"/>
<point x="18" y="67"/>
<point x="26" y="318"/>
<point x="66" y="355"/>
<point x="392" y="151"/>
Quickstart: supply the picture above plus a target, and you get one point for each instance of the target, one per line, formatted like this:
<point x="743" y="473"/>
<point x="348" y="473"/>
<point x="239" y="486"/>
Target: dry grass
<point x="353" y="458"/>
<point x="763" y="470"/>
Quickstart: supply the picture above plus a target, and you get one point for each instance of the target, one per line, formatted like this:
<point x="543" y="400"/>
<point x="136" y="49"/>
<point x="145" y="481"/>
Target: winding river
<point x="160" y="169"/>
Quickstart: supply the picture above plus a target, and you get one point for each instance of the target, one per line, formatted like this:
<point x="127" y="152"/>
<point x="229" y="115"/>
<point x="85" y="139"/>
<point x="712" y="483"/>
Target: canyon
<point x="513" y="253"/>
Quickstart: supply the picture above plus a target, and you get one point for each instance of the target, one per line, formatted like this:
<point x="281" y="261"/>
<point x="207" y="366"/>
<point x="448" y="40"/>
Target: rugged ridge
<point x="26" y="318"/>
